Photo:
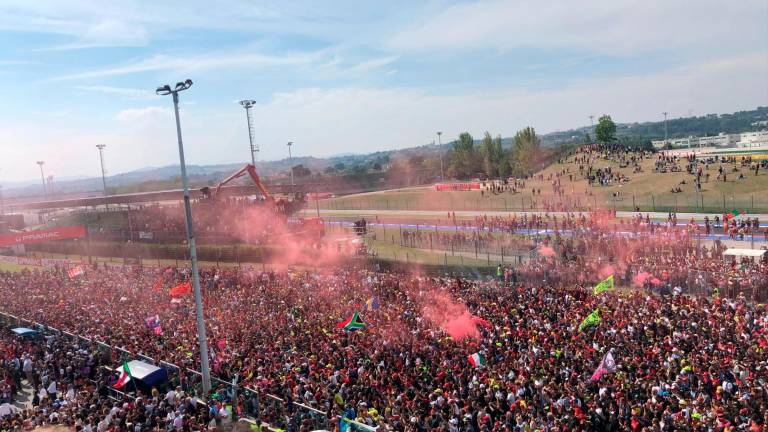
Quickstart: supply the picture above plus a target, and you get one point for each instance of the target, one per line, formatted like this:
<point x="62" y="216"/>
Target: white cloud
<point x="606" y="26"/>
<point x="195" y="63"/>
<point x="133" y="116"/>
<point x="337" y="120"/>
<point x="372" y="64"/>
<point x="128" y="93"/>
<point x="329" y="121"/>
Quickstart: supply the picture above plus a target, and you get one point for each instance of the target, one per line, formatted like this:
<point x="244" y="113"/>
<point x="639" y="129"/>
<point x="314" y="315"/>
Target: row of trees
<point x="490" y="158"/>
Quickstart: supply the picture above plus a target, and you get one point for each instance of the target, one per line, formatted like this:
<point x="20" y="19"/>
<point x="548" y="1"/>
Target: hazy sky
<point x="353" y="76"/>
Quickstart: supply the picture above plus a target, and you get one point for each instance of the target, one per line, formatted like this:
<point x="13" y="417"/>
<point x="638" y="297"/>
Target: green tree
<point x="605" y="131"/>
<point x="463" y="157"/>
<point x="504" y="169"/>
<point x="491" y="156"/>
<point x="526" y="154"/>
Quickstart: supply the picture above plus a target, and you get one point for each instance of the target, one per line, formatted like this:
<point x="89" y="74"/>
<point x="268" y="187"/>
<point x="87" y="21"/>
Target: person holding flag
<point x="603" y="286"/>
<point x="125" y="376"/>
<point x="592" y="319"/>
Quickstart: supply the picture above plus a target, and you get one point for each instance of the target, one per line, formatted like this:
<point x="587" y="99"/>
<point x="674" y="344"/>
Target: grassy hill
<point x="648" y="190"/>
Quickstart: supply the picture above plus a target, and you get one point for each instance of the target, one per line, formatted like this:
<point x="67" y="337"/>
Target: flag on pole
<point x="607" y="365"/>
<point x="371" y="304"/>
<point x="592" y="319"/>
<point x="182" y="289"/>
<point x="75" y="272"/>
<point x="352" y="323"/>
<point x="152" y="321"/>
<point x="125" y="376"/>
<point x="477" y="359"/>
<point x="603" y="286"/>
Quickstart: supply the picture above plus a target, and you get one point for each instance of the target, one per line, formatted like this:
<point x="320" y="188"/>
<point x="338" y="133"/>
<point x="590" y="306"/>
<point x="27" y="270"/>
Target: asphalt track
<point x="474" y="213"/>
<point x="682" y="219"/>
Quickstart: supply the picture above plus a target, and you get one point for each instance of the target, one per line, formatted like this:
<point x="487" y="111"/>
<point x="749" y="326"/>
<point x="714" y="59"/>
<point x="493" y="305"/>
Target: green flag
<point x="592" y="319"/>
<point x="605" y="285"/>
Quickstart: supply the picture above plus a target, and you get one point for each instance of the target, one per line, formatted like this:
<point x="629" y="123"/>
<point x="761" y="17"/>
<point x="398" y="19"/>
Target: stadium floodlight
<point x="440" y="151"/>
<point x="166" y="90"/>
<point x="42" y="177"/>
<point x="103" y="172"/>
<point x="290" y="162"/>
<point x="247" y="104"/>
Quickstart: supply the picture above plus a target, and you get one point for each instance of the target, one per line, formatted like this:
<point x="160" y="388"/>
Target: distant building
<point x="744" y="139"/>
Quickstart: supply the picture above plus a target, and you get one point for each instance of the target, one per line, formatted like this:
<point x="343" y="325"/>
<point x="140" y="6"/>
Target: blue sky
<point x="353" y="76"/>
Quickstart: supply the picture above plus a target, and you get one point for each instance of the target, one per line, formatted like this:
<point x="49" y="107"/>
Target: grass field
<point x="648" y="190"/>
<point x="9" y="267"/>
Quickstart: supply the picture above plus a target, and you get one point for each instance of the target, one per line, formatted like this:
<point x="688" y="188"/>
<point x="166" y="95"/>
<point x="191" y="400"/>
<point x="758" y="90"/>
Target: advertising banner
<point x="38" y="236"/>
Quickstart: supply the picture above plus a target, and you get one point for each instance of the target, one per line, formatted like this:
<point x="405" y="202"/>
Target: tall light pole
<point x="290" y="161"/>
<point x="42" y="177"/>
<point x="103" y="173"/>
<point x="665" y="125"/>
<point x="164" y="91"/>
<point x="440" y="151"/>
<point x="247" y="104"/>
<point x="50" y="186"/>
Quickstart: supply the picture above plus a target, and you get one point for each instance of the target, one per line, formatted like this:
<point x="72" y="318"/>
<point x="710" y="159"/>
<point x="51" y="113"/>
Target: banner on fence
<point x="457" y="186"/>
<point x="146" y="235"/>
<point x="37" y="236"/>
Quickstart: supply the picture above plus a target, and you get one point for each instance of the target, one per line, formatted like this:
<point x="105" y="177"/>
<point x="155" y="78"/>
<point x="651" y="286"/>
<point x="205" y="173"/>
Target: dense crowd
<point x="683" y="363"/>
<point x="70" y="386"/>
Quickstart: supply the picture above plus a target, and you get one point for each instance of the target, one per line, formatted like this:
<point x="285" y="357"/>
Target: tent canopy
<point x="24" y="331"/>
<point x="148" y="374"/>
<point x="745" y="252"/>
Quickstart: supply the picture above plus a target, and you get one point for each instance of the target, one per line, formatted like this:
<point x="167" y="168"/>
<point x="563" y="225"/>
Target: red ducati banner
<point x="42" y="235"/>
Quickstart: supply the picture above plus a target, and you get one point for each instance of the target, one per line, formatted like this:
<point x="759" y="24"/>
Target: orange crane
<point x="311" y="228"/>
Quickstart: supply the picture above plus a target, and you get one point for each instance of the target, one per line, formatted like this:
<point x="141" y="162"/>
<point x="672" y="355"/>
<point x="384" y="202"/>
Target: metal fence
<point x="707" y="202"/>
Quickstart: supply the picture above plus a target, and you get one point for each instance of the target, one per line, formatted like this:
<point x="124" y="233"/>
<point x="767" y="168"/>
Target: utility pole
<point x="247" y="104"/>
<point x="201" y="338"/>
<point x="440" y="151"/>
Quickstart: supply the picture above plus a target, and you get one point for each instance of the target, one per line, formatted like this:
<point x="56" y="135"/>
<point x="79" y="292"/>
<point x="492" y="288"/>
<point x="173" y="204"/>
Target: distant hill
<point x="153" y="178"/>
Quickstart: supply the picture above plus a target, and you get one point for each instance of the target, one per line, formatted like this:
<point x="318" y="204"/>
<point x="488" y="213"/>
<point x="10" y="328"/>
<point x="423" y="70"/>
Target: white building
<point x="745" y="139"/>
<point x="754" y="139"/>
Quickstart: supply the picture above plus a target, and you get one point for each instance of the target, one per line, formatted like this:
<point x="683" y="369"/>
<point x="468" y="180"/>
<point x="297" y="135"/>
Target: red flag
<point x="181" y="289"/>
<point x="158" y="285"/>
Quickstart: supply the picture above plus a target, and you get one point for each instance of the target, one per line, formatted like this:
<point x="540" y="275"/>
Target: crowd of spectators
<point x="683" y="363"/>
<point x="69" y="384"/>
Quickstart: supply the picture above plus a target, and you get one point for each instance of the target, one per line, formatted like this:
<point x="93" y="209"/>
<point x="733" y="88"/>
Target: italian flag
<point x="477" y="360"/>
<point x="125" y="376"/>
<point x="351" y="323"/>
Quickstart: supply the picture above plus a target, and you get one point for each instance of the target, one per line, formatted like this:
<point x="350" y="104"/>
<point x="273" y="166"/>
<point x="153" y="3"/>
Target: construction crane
<point x="312" y="227"/>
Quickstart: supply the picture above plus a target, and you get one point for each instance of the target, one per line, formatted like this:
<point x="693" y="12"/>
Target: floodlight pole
<point x="665" y="126"/>
<point x="164" y="91"/>
<point x="103" y="173"/>
<point x="247" y="104"/>
<point x="290" y="161"/>
<point x="42" y="177"/>
<point x="440" y="152"/>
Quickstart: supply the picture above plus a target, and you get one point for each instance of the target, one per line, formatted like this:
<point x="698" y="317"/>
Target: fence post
<point x="653" y="201"/>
